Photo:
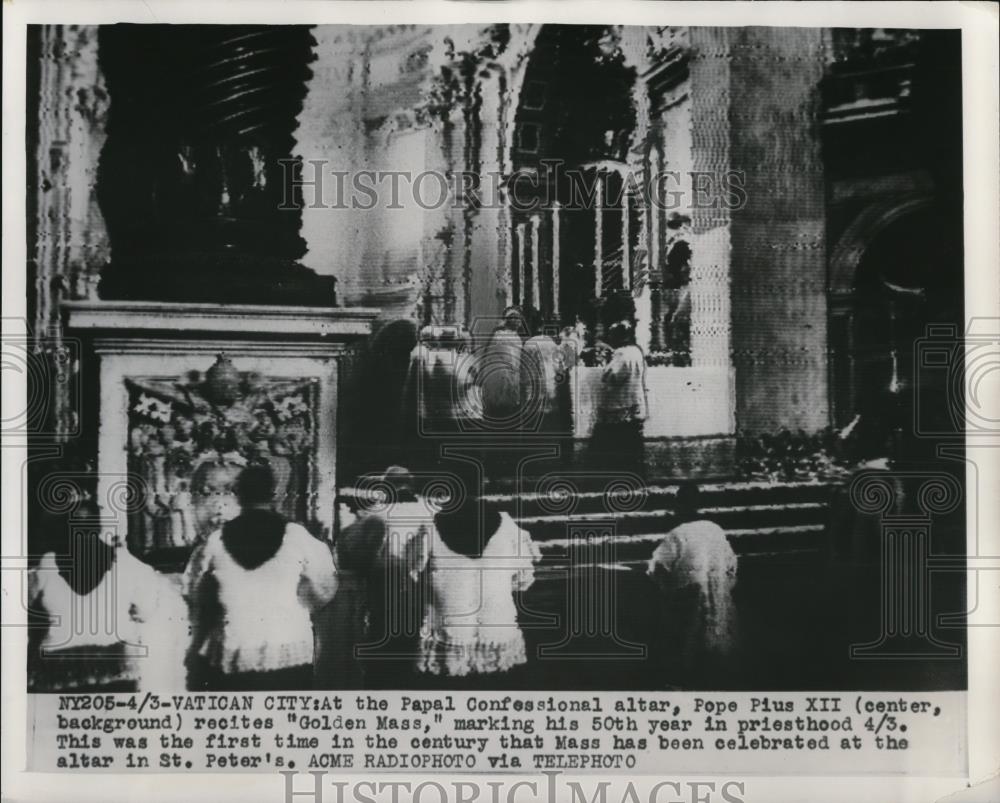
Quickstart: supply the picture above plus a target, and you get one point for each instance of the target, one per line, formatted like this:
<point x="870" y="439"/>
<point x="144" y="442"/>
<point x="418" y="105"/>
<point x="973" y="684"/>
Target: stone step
<point x="662" y="519"/>
<point x="617" y="547"/>
<point x="596" y="484"/>
<point x="600" y="505"/>
<point x="572" y="494"/>
<point x="552" y="569"/>
<point x="622" y="522"/>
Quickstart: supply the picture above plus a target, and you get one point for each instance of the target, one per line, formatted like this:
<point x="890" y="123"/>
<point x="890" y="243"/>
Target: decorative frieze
<point x="71" y="241"/>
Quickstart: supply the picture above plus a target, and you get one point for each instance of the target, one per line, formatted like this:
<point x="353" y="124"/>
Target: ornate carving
<point x="665" y="42"/>
<point x="189" y="438"/>
<point x="867" y="65"/>
<point x="70" y="240"/>
<point x="71" y="116"/>
<point x="854" y="48"/>
<point x="454" y="63"/>
<point x="197" y="177"/>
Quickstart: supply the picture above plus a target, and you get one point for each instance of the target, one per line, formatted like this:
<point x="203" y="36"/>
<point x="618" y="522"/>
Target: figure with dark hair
<point x="498" y="377"/>
<point x="435" y="393"/>
<point x="541" y="372"/>
<point x="617" y="439"/>
<point x="500" y="369"/>
<point x="694" y="568"/>
<point x="387" y="424"/>
<point x="475" y="560"/>
<point x="252" y="588"/>
<point x="676" y="294"/>
<point x="370" y="631"/>
<point x="102" y="620"/>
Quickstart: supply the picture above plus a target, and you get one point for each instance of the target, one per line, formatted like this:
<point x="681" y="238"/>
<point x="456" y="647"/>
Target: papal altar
<point x="190" y="393"/>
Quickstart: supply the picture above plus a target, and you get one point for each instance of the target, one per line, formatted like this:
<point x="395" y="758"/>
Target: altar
<point x="188" y="394"/>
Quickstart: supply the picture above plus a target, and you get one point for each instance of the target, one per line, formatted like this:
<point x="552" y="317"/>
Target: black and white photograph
<point x="467" y="361"/>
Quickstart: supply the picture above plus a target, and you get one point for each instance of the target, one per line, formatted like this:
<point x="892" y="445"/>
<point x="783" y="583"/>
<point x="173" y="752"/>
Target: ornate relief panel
<point x="189" y="436"/>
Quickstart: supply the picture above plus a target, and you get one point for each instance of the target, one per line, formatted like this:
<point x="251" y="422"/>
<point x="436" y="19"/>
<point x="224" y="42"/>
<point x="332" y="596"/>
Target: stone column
<point x="536" y="264"/>
<point x="779" y="305"/>
<point x="635" y="46"/>
<point x="489" y="245"/>
<point x="599" y="236"/>
<point x="556" y="308"/>
<point x="704" y="145"/>
<point x="648" y="313"/>
<point x="626" y="241"/>
<point x="67" y="238"/>
<point x="522" y="258"/>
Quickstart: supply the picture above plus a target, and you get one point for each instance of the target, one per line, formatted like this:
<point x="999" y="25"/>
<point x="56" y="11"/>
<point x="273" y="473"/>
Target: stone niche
<point x="191" y="393"/>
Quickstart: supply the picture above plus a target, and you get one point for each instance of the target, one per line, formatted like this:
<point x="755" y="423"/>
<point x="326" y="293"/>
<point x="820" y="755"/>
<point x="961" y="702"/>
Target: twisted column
<point x="197" y="181"/>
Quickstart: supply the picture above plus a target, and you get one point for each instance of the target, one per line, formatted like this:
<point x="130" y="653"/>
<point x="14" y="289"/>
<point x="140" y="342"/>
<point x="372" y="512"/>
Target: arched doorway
<point x="574" y="223"/>
<point x="901" y="284"/>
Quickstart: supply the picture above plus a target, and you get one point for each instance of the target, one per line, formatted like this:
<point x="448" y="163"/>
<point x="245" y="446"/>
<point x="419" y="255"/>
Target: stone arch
<point x="533" y="252"/>
<point x="514" y="63"/>
<point x="853" y="351"/>
<point x="499" y="86"/>
<point x="861" y="233"/>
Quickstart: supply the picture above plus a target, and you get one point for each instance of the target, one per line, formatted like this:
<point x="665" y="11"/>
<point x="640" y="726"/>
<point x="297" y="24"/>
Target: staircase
<point x="620" y="524"/>
<point x="761" y="519"/>
<point x="596" y="614"/>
